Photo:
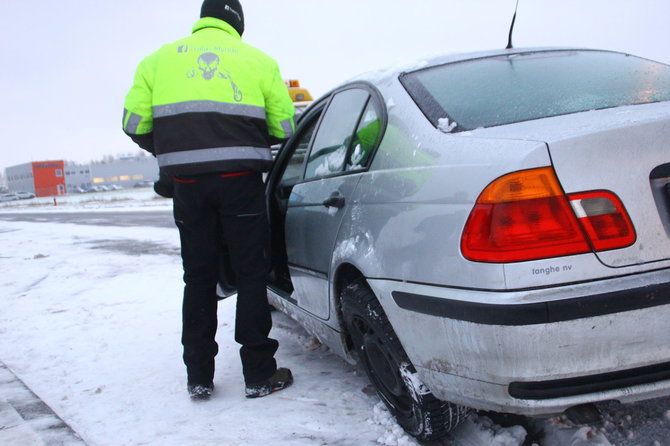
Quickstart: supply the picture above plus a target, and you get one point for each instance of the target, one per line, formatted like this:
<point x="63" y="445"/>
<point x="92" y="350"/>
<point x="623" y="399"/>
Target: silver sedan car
<point x="487" y="231"/>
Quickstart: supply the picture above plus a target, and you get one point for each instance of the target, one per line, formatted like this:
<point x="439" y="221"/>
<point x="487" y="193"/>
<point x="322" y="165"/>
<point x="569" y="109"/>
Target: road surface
<point x="158" y="219"/>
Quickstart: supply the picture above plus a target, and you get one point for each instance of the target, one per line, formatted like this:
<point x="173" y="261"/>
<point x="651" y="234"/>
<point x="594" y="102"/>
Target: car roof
<point x="391" y="72"/>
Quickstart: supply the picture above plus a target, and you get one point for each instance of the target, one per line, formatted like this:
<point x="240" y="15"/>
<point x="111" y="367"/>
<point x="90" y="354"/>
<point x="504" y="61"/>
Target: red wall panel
<point x="49" y="177"/>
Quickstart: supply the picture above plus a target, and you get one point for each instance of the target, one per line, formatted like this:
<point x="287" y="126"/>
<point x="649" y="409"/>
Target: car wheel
<point x="394" y="377"/>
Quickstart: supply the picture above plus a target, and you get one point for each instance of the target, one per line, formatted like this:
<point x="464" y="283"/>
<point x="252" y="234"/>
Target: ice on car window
<point x="332" y="162"/>
<point x="334" y="136"/>
<point x="520" y="87"/>
<point x="365" y="139"/>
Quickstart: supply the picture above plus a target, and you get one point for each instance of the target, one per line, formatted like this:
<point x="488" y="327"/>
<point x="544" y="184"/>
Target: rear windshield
<point x="521" y="87"/>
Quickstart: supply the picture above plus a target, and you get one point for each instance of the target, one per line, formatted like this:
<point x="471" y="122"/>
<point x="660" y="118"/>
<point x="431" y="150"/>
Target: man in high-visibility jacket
<point x="208" y="107"/>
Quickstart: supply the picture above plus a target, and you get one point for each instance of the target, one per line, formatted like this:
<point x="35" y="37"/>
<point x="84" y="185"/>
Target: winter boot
<point x="280" y="380"/>
<point x="200" y="392"/>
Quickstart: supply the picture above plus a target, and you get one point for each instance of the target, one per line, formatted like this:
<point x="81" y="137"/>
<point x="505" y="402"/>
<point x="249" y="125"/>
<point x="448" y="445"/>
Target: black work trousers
<point x="212" y="210"/>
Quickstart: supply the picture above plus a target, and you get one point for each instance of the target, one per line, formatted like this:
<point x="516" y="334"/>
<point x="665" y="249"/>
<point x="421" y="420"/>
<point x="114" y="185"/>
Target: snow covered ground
<point x="90" y="322"/>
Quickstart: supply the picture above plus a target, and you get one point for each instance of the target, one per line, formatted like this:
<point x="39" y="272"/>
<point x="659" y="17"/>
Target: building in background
<point x="125" y="172"/>
<point x="77" y="177"/>
<point x="20" y="178"/>
<point x="42" y="178"/>
<point x="53" y="178"/>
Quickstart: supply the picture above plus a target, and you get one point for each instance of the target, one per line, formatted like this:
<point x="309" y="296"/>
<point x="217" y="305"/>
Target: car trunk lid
<point x="625" y="151"/>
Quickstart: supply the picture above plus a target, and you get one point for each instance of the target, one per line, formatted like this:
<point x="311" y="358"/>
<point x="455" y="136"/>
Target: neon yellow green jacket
<point x="209" y="103"/>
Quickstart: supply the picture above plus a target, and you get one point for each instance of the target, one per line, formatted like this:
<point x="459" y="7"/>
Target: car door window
<point x="365" y="139"/>
<point x="294" y="166"/>
<point x="334" y="137"/>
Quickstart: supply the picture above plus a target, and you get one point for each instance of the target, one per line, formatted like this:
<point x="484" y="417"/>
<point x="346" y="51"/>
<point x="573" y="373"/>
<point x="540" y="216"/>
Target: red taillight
<point x="526" y="216"/>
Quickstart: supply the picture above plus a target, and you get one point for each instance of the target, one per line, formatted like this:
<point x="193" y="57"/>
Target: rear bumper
<point x="490" y="396"/>
<point x="537" y="352"/>
<point x="561" y="388"/>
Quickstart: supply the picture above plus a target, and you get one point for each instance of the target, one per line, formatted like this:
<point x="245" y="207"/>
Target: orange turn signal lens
<point x="523" y="185"/>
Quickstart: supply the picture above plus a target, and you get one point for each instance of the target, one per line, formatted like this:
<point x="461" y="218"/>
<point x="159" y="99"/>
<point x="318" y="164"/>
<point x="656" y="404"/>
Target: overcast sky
<point x="67" y="65"/>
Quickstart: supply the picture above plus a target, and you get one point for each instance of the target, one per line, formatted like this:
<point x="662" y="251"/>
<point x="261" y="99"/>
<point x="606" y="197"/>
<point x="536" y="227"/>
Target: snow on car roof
<point x="391" y="72"/>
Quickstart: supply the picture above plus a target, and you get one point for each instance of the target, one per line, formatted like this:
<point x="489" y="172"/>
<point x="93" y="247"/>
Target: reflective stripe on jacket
<point x="209" y="103"/>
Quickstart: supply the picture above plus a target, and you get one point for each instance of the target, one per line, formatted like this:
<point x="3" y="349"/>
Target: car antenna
<point x="511" y="28"/>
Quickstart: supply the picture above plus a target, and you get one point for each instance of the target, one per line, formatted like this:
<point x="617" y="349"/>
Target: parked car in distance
<point x="144" y="183"/>
<point x="487" y="231"/>
<point x="9" y="197"/>
<point x="25" y="195"/>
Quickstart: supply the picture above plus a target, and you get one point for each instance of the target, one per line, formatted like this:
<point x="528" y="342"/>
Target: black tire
<point x="391" y="372"/>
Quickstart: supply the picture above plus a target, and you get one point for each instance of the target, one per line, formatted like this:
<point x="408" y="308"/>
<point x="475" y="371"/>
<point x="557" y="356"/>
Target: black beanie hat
<point x="230" y="11"/>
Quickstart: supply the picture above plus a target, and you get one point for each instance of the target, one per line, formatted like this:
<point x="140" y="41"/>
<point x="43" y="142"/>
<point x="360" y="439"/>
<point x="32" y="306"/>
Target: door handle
<point x="335" y="201"/>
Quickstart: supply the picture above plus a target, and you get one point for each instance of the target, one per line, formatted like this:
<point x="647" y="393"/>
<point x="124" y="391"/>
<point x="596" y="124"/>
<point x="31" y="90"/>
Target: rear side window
<point x="521" y="87"/>
<point x="365" y="139"/>
<point x="334" y="137"/>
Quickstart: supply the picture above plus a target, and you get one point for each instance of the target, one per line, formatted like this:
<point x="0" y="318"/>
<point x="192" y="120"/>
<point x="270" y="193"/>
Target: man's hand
<point x="164" y="186"/>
